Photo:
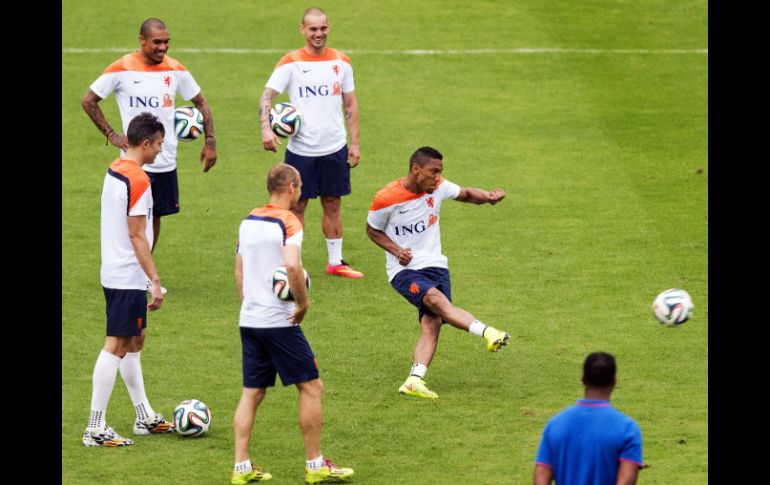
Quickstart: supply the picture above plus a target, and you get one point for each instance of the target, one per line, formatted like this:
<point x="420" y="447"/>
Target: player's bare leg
<point x="311" y="415"/>
<point x="439" y="304"/>
<point x="332" y="228"/>
<point x="299" y="211"/>
<point x="155" y="231"/>
<point x="430" y="327"/>
<point x="243" y="425"/>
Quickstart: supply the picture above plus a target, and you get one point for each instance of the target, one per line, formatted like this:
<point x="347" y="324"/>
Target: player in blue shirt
<point x="591" y="442"/>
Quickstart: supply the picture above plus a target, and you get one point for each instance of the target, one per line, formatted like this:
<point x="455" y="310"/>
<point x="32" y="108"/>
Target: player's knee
<point x="314" y="388"/>
<point x="436" y="301"/>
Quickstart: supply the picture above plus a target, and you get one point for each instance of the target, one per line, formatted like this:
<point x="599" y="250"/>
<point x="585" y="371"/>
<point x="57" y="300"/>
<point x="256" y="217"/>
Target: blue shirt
<point x="586" y="442"/>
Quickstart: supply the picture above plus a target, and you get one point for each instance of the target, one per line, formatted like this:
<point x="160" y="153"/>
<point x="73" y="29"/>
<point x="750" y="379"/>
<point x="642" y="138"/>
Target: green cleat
<point x="495" y="339"/>
<point x="329" y="472"/>
<point x="255" y="475"/>
<point x="414" y="386"/>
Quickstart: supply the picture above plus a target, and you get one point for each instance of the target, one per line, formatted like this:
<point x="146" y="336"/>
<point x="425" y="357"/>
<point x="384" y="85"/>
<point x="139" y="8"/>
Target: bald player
<point x="148" y="80"/>
<point x="271" y="337"/>
<point x="319" y="81"/>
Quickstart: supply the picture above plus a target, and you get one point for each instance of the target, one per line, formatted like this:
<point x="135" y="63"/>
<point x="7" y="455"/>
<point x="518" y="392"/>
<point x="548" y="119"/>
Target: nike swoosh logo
<point x="403" y="212"/>
<point x="305" y="71"/>
<point x="137" y="82"/>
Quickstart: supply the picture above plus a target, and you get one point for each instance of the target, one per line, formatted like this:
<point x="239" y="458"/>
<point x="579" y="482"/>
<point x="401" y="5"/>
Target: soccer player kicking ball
<point x="404" y="221"/>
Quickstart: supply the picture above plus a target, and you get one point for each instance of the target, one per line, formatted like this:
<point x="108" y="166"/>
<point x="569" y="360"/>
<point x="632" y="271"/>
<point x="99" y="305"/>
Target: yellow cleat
<point x="255" y="475"/>
<point x="495" y="339"/>
<point x="414" y="386"/>
<point x="329" y="472"/>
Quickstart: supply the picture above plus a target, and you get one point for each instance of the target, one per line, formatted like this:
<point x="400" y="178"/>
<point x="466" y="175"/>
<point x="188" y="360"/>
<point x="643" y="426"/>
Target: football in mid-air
<point x="188" y="123"/>
<point x="281" y="284"/>
<point x="192" y="418"/>
<point x="672" y="307"/>
<point x="285" y="120"/>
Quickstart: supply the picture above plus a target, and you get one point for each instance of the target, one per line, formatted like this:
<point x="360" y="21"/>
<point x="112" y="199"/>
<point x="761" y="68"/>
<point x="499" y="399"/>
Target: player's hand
<point x="118" y="140"/>
<point x="404" y="256"/>
<point x="156" y="297"/>
<point x="298" y="315"/>
<point x="354" y="155"/>
<point x="270" y="140"/>
<point x="495" y="196"/>
<point x="209" y="154"/>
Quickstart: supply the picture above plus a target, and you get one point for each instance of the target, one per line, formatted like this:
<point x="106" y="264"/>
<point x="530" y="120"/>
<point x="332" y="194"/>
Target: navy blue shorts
<point x="126" y="312"/>
<point x="414" y="283"/>
<point x="326" y="175"/>
<point x="269" y="350"/>
<point x="165" y="193"/>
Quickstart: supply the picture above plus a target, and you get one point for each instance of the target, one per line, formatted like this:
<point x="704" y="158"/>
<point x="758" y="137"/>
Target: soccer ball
<point x="192" y="418"/>
<point x="188" y="123"/>
<point x="285" y="120"/>
<point x="672" y="307"/>
<point x="281" y="284"/>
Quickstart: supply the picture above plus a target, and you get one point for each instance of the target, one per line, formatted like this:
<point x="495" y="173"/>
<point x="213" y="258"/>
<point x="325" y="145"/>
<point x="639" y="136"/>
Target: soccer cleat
<point x="343" y="270"/>
<point x="153" y="425"/>
<point x="163" y="291"/>
<point x="414" y="386"/>
<point x="255" y="475"/>
<point x="495" y="339"/>
<point x="107" y="437"/>
<point x="329" y="472"/>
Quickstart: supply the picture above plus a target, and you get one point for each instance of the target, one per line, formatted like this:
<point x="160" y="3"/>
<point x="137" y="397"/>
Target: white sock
<point x="477" y="328"/>
<point x="334" y="246"/>
<point x="243" y="467"/>
<point x="315" y="463"/>
<point x="105" y="371"/>
<point x="419" y="370"/>
<point x="131" y="371"/>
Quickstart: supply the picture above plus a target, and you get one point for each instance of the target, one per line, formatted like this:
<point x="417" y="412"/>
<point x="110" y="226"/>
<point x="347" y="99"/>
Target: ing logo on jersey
<point x="432" y="219"/>
<point x="168" y="102"/>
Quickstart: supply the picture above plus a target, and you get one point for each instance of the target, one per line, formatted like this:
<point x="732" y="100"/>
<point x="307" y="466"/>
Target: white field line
<point x="408" y="52"/>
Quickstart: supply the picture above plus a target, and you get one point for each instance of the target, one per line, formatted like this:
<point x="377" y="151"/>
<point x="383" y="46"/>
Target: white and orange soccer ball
<point x="188" y="123"/>
<point x="672" y="307"/>
<point x="285" y="120"/>
<point x="192" y="418"/>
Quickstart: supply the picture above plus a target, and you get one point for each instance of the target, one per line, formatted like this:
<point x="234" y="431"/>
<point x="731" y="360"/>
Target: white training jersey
<point x="411" y="221"/>
<point x="139" y="87"/>
<point x="261" y="239"/>
<point x="126" y="192"/>
<point x="315" y="85"/>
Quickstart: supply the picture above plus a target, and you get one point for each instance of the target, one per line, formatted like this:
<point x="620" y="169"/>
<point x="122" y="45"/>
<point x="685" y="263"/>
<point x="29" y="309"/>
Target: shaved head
<point x="280" y="176"/>
<point x="315" y="11"/>
<point x="150" y="24"/>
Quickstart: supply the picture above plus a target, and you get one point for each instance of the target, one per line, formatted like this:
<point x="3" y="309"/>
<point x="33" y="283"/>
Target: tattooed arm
<point x="90" y="105"/>
<point x="209" y="152"/>
<point x="270" y="140"/>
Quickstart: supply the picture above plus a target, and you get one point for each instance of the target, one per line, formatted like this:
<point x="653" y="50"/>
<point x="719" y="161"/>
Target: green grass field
<point x="597" y="148"/>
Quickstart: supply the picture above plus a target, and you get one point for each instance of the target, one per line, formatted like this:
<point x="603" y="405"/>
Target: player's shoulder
<point x="133" y="62"/>
<point x="339" y="55"/>
<point x="291" y="57"/>
<point x="121" y="65"/>
<point x="172" y="64"/>
<point x="392" y="194"/>
<point x="130" y="171"/>
<point x="269" y="212"/>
